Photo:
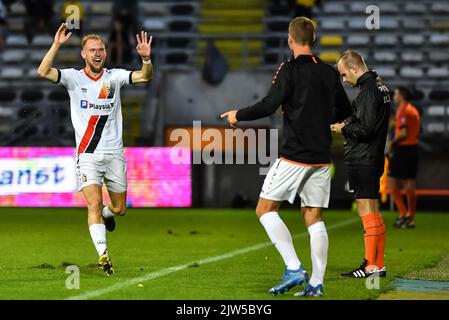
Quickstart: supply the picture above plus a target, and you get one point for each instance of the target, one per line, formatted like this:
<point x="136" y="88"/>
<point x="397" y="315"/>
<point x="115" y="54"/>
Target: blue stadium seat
<point x="413" y="40"/>
<point x="411" y="72"/>
<point x="358" y="40"/>
<point x="412" y="56"/>
<point x="440" y="73"/>
<point x="385" y="56"/>
<point x="415" y="7"/>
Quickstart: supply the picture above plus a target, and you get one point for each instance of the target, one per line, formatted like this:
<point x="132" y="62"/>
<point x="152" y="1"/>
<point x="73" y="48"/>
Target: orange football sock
<point x="370" y="226"/>
<point x="397" y="198"/>
<point x="380" y="252"/>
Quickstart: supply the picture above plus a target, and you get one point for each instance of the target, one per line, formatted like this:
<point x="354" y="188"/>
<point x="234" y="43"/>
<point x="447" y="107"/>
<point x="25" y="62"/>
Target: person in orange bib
<point x="403" y="153"/>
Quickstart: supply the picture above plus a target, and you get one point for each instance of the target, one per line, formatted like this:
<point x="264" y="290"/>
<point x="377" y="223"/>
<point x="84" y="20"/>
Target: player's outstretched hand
<point x="61" y="36"/>
<point x="337" y="127"/>
<point x="144" y="45"/>
<point x="231" y="117"/>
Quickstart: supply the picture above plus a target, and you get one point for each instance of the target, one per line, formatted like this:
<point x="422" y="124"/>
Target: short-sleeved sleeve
<point x="67" y="77"/>
<point x="123" y="76"/>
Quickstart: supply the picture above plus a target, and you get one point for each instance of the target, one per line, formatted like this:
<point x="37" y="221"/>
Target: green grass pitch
<point x="37" y="244"/>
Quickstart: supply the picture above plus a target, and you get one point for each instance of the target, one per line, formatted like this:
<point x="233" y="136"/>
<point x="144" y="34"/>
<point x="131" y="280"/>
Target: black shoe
<point x="382" y="272"/>
<point x="408" y="224"/>
<point x="110" y="224"/>
<point x="399" y="222"/>
<point x="360" y="272"/>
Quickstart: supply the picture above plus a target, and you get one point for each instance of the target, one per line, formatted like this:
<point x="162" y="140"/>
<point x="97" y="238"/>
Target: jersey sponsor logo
<point x="84" y="104"/>
<point x="87" y="105"/>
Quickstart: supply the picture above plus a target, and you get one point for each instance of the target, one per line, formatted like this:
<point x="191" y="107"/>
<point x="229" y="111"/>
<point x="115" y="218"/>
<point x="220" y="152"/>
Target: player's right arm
<point x="45" y="69"/>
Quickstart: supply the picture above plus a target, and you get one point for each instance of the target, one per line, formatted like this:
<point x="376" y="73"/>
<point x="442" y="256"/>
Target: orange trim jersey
<point x="408" y="117"/>
<point x="95" y="108"/>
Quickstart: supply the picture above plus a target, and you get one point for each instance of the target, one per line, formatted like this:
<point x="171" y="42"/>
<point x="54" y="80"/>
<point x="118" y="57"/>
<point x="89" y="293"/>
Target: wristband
<point x="146" y="61"/>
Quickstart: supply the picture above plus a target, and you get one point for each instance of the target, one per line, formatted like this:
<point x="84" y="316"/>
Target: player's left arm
<point x="144" y="51"/>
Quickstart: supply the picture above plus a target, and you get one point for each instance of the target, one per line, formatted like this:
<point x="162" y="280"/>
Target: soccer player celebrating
<point x="365" y="133"/>
<point x="403" y="153"/>
<point x="97" y="119"/>
<point x="308" y="91"/>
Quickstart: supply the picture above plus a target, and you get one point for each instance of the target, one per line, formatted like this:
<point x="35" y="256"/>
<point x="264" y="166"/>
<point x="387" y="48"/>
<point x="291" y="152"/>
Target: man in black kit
<point x="308" y="91"/>
<point x="365" y="133"/>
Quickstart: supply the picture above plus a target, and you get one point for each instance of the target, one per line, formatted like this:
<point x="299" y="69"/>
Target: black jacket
<point x="308" y="91"/>
<point x="366" y="130"/>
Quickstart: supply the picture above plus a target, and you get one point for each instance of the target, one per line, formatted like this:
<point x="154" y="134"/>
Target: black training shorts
<point x="404" y="162"/>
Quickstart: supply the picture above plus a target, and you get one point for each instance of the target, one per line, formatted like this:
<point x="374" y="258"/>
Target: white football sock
<point x="107" y="213"/>
<point x="281" y="238"/>
<point x="98" y="234"/>
<point x="319" y="244"/>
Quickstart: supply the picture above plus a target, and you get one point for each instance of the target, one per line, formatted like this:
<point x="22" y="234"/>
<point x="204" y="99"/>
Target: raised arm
<point x="144" y="51"/>
<point x="45" y="69"/>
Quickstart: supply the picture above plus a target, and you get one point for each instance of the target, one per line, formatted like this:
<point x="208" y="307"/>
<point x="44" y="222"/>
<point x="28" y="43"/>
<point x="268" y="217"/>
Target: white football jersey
<point x="95" y="108"/>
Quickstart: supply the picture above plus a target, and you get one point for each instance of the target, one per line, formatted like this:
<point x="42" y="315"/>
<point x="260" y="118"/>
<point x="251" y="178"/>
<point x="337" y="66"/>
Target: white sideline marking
<point x="163" y="272"/>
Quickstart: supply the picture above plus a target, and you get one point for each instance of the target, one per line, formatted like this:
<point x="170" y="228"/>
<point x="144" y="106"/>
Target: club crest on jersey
<point x="107" y="90"/>
<point x="84" y="104"/>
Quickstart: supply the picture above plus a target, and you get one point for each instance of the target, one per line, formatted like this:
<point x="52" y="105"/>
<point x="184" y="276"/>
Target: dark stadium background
<point x="211" y="56"/>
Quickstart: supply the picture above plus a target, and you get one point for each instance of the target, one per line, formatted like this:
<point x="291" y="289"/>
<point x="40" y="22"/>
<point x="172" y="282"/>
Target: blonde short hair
<point x="302" y="30"/>
<point x="92" y="37"/>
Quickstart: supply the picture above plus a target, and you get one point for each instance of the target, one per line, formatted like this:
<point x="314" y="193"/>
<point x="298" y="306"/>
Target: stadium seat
<point x="17" y="9"/>
<point x="415" y="7"/>
<point x="412" y="56"/>
<point x="411" y="72"/>
<point x="329" y="56"/>
<point x="32" y="96"/>
<point x="440" y="7"/>
<point x="16" y="40"/>
<point x="68" y="56"/>
<point x="16" y="25"/>
<point x="386" y="40"/>
<point x="178" y="42"/>
<point x="11" y="73"/>
<point x="182" y="9"/>
<point x="388" y="7"/>
<point x="439" y="39"/>
<point x="358" y="40"/>
<point x="154" y="24"/>
<point x="180" y="26"/>
<point x="101" y="8"/>
<point x="356" y="7"/>
<point x="436" y="127"/>
<point x="357" y="23"/>
<point x="37" y="55"/>
<point x="439" y="95"/>
<point x="439" y="56"/>
<point x="414" y="24"/>
<point x="436" y="111"/>
<point x="386" y="72"/>
<point x="32" y="74"/>
<point x="332" y="24"/>
<point x="385" y="56"/>
<point x="42" y="40"/>
<point x="440" y="73"/>
<point x="413" y="40"/>
<point x="334" y="8"/>
<point x="13" y="56"/>
<point x="74" y="41"/>
<point x="331" y="40"/>
<point x="100" y="24"/>
<point x="153" y="8"/>
<point x="389" y="23"/>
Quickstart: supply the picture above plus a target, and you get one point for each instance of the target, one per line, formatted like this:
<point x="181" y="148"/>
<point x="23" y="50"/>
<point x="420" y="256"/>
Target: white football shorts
<point x="286" y="178"/>
<point x="92" y="168"/>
